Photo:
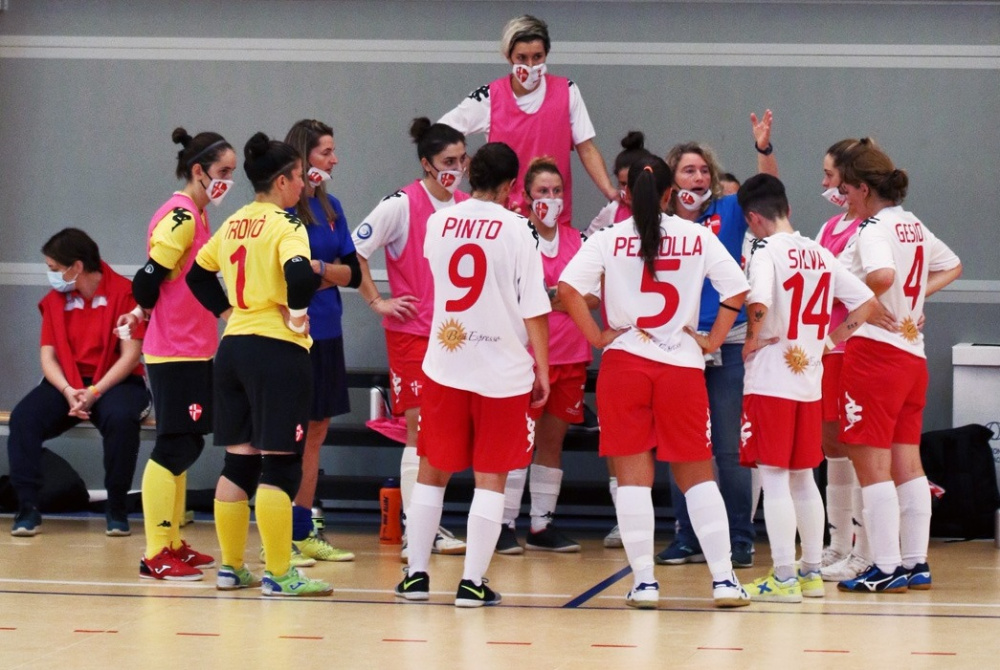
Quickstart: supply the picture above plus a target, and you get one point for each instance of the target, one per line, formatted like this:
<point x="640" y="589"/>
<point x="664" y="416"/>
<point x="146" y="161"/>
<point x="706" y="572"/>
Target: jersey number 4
<point x="473" y="282"/>
<point x="817" y="310"/>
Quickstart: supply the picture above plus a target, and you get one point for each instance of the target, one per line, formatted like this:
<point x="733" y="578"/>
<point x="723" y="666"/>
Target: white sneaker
<point x="645" y="596"/>
<point x="730" y="593"/>
<point x="831" y="556"/>
<point x="445" y="543"/>
<point x="613" y="540"/>
<point x="850" y="568"/>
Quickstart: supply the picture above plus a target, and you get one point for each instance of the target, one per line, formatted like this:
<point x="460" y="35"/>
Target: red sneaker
<point x="194" y="558"/>
<point x="165" y="565"/>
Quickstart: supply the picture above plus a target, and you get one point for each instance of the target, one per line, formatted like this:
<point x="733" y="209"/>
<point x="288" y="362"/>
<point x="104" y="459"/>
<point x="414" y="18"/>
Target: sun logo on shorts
<point x="796" y="359"/>
<point x="452" y="335"/>
<point x="908" y="329"/>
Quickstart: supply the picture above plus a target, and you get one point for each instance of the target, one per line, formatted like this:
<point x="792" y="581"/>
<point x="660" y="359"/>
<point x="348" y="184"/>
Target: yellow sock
<point x="232" y="523"/>
<point x="274" y="523"/>
<point x="180" y="505"/>
<point x="158" y="492"/>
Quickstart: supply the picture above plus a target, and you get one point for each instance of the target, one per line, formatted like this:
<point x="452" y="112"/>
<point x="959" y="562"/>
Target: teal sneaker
<point x="294" y="584"/>
<point x="229" y="579"/>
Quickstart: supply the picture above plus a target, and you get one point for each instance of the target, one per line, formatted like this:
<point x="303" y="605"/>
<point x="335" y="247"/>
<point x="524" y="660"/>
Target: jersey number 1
<point x="239" y="257"/>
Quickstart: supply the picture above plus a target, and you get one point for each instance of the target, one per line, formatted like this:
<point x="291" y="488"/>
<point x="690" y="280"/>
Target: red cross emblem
<point x="299" y="433"/>
<point x="315" y="178"/>
<point x="219" y="189"/>
<point x="541" y="209"/>
<point x="522" y="74"/>
<point x="194" y="410"/>
<point x="447" y="179"/>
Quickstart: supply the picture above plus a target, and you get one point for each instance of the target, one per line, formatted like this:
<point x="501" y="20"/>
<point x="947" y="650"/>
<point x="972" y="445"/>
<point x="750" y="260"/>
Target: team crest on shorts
<point x="194" y="409"/>
<point x="908" y="329"/>
<point x="299" y="433"/>
<point x="796" y="359"/>
<point x="746" y="431"/>
<point x="452" y="335"/>
<point x="852" y="411"/>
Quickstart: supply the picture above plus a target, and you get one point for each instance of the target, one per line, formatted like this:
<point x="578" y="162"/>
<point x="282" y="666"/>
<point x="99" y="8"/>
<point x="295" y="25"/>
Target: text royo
<point x="244" y="228"/>
<point x="805" y="259"/>
<point x="669" y="246"/>
<point x="471" y="228"/>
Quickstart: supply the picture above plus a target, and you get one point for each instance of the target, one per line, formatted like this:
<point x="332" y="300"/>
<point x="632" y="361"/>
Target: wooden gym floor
<point x="71" y="598"/>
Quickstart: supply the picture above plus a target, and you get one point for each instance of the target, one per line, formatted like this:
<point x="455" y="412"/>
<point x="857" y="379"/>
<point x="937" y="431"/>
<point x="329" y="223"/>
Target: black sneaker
<point x="414" y="587"/>
<point x="26" y="522"/>
<point x="470" y="595"/>
<point x="550" y="539"/>
<point x="507" y="543"/>
<point x="742" y="553"/>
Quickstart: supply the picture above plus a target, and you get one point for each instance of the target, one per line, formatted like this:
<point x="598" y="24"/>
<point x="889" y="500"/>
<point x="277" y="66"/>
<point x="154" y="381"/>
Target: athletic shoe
<point x="192" y="557"/>
<point x="811" y="584"/>
<point x="876" y="581"/>
<point x="645" y="596"/>
<point x="550" y="539"/>
<point x="679" y="554"/>
<point x="742" y="554"/>
<point x="319" y="521"/>
<point x="414" y="587"/>
<point x="168" y="566"/>
<point x="920" y="577"/>
<point x="26" y="522"/>
<point x="507" y="543"/>
<point x="315" y="546"/>
<point x="770" y="589"/>
<point x="470" y="595"/>
<point x="849" y="568"/>
<point x="293" y="583"/>
<point x="613" y="540"/>
<point x="229" y="578"/>
<point x="831" y="556"/>
<point x="117" y="526"/>
<point x="729" y="593"/>
<point x="298" y="559"/>
<point x="445" y="543"/>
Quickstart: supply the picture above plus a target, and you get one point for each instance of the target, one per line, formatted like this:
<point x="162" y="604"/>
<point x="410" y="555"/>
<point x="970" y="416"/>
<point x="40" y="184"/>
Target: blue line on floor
<point x="594" y="590"/>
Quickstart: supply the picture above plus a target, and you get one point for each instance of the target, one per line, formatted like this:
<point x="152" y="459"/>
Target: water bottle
<point x="391" y="506"/>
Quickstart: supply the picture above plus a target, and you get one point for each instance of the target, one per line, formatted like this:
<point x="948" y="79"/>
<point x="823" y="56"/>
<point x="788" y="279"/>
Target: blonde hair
<point x="525" y="28"/>
<point x="673" y="159"/>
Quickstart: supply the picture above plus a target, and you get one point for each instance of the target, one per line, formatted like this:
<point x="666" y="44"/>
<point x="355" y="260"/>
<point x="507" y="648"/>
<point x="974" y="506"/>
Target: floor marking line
<point x="183" y="634"/>
<point x="84" y="630"/>
<point x="614" y="646"/>
<point x="826" y="651"/>
<point x="300" y="637"/>
<point x="594" y="590"/>
<point x="719" y="648"/>
<point x="520" y="644"/>
<point x="396" y="639"/>
<point x="933" y="653"/>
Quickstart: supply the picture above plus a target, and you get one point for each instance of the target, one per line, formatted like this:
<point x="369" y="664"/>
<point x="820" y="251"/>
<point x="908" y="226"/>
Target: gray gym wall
<point x="92" y="90"/>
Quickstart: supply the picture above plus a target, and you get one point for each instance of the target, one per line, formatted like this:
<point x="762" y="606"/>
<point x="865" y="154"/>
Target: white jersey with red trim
<point x="796" y="280"/>
<point x="487" y="280"/>
<point x="655" y="310"/>
<point x="895" y="239"/>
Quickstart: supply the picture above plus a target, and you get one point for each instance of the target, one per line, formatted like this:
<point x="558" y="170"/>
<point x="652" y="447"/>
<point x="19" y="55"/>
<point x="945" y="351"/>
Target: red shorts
<point x="884" y="390"/>
<point x="780" y="432"/>
<point x="460" y="429"/>
<point x="566" y="384"/>
<point x="406" y="374"/>
<point x="832" y="365"/>
<point x="642" y="404"/>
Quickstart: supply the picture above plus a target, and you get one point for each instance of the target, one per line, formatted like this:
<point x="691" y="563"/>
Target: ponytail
<point x="648" y="179"/>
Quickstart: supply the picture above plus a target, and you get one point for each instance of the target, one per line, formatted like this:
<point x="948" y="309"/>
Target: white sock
<point x="779" y="518"/>
<point x="513" y="493"/>
<point x="613" y="488"/>
<point x="426" y="506"/>
<point x="808" y="517"/>
<point x="711" y="526"/>
<point x="544" y="490"/>
<point x="636" y="522"/>
<point x="755" y="489"/>
<point x="485" y="515"/>
<point x="409" y="465"/>
<point x="881" y="516"/>
<point x="840" y="482"/>
<point x="914" y="520"/>
<point x="862" y="548"/>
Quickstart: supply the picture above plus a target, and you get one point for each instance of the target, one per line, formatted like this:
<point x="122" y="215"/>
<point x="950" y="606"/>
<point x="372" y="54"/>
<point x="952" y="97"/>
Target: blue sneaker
<point x="920" y="577"/>
<point x="26" y="522"/>
<point x="679" y="553"/>
<point x="876" y="581"/>
<point x="117" y="525"/>
<point x="742" y="554"/>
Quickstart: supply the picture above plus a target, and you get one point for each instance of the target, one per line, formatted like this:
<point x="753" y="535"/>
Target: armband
<point x="730" y="307"/>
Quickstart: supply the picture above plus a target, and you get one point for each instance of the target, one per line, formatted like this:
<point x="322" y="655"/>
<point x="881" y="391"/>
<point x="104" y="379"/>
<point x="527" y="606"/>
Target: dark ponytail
<point x="266" y="159"/>
<point x="433" y="138"/>
<point x="633" y="148"/>
<point x="648" y="179"/>
<point x="203" y="149"/>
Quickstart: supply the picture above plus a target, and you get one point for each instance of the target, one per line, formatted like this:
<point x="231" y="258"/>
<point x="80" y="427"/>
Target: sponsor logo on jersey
<point x="452" y="335"/>
<point x="416" y="387"/>
<point x="796" y="359"/>
<point x="852" y="411"/>
<point x="909" y="330"/>
<point x="181" y="216"/>
<point x="713" y="222"/>
<point x="364" y="231"/>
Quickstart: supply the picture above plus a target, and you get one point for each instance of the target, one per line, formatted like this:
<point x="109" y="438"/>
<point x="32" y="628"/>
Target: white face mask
<point x="57" y="282"/>
<point x="217" y="190"/>
<point x="529" y="77"/>
<point x="450" y="179"/>
<point x="835" y="197"/>
<point x="547" y="210"/>
<point x="692" y="201"/>
<point x="315" y="177"/>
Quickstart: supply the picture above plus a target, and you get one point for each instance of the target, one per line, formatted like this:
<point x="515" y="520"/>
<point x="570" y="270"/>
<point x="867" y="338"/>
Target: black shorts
<point x="262" y="393"/>
<point x="182" y="396"/>
<point x="330" y="396"/>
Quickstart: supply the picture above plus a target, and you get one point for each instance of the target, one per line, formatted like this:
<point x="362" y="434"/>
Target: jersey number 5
<point x="817" y="311"/>
<point x="671" y="298"/>
<point x="473" y="282"/>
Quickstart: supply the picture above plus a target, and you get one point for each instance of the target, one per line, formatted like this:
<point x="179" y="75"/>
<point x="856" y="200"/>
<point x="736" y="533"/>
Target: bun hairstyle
<point x="433" y="138"/>
<point x="866" y="163"/>
<point x="304" y="136"/>
<point x="494" y="165"/>
<point x="677" y="152"/>
<point x="648" y="179"/>
<point x="203" y="149"/>
<point x="264" y="160"/>
<point x="633" y="148"/>
<point x="540" y="165"/>
<point x="525" y="28"/>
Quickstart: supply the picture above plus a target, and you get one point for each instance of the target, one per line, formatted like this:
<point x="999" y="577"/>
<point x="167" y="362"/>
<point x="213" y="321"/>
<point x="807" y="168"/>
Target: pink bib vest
<point x="566" y="343"/>
<point x="623" y="212"/>
<point x="179" y="326"/>
<point x="547" y="132"/>
<point x="836" y="243"/>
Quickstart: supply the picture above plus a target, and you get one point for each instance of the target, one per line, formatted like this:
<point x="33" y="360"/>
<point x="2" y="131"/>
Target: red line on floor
<point x="301" y="637"/>
<point x="614" y="646"/>
<point x="83" y="630"/>
<point x="395" y="639"/>
<point x="523" y="644"/>
<point x="933" y="653"/>
<point x="6" y="628"/>
<point x="721" y="648"/>
<point x="199" y="634"/>
<point x="826" y="651"/>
